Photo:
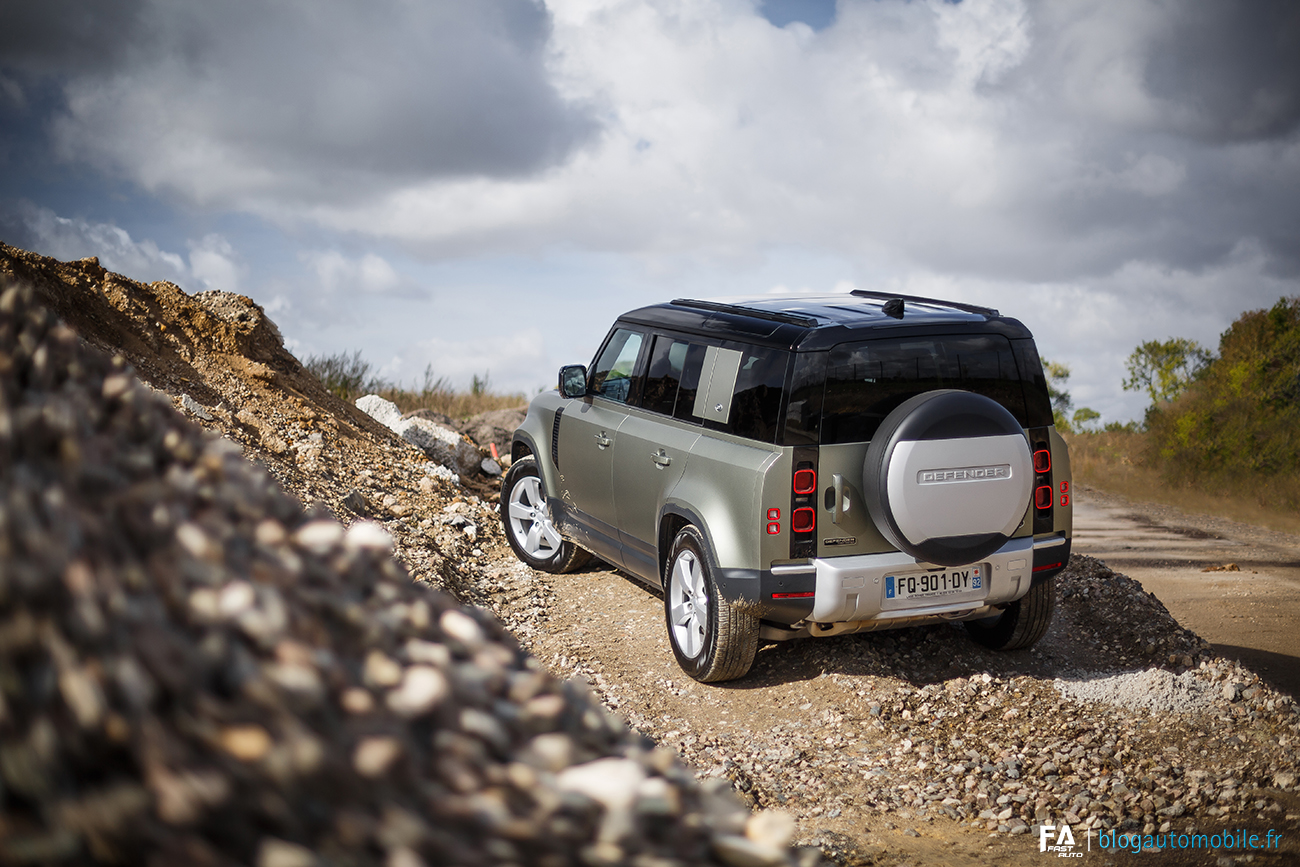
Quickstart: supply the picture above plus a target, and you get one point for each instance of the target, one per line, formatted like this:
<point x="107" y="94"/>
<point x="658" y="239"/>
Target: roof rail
<point x="890" y="296"/>
<point x="752" y="312"/>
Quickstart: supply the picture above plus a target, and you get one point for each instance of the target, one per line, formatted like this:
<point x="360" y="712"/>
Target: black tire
<point x="526" y="517"/>
<point x="1021" y="623"/>
<point x="712" y="639"/>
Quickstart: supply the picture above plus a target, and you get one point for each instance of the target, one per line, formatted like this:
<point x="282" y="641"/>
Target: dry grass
<point x="1117" y="462"/>
<point x="350" y="376"/>
<point x="456" y="404"/>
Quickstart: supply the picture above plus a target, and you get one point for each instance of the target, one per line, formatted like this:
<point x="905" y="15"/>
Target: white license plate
<point x="934" y="585"/>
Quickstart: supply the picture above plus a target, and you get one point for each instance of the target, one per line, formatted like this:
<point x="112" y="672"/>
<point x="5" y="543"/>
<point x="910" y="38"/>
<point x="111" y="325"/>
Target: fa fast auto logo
<point x="1057" y="839"/>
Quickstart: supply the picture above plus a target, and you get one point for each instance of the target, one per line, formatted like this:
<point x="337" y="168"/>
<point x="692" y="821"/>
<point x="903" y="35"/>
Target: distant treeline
<point x="1225" y="423"/>
<point x="1237" y="424"/>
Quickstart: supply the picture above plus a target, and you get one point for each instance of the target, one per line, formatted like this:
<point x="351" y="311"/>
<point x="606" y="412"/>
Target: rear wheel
<point x="711" y="638"/>
<point x="1021" y="623"/>
<point x="527" y="519"/>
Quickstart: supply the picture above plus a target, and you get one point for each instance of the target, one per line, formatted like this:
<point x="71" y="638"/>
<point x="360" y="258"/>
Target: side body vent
<point x="555" y="437"/>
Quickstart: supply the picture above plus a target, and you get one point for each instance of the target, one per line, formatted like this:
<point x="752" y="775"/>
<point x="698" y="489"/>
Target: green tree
<point x="1084" y="417"/>
<point x="1164" y="369"/>
<point x="1238" y="426"/>
<point x="1062" y="403"/>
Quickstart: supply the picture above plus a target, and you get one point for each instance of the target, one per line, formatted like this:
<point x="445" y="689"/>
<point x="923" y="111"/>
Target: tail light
<point x="803" y="503"/>
<point x="1044" y="496"/>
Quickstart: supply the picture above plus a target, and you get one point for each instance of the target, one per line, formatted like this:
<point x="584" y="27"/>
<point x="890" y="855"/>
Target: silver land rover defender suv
<point x="784" y="467"/>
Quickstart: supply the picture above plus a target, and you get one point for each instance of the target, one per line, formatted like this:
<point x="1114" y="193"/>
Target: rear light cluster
<point x="1043" y="479"/>
<point x="803" y="517"/>
<point x="1045" y="494"/>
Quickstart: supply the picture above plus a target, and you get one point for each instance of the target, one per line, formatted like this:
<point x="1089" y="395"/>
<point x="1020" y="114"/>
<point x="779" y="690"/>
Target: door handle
<point x="603" y="440"/>
<point x="661" y="458"/>
<point x="841" y="498"/>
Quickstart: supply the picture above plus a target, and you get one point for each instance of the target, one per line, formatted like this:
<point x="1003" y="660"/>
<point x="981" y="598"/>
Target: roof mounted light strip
<point x="890" y="296"/>
<point x="752" y="312"/>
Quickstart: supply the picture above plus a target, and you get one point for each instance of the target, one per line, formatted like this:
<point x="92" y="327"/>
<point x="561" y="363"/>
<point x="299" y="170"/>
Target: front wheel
<point x="527" y="519"/>
<point x="712" y="639"/>
<point x="1021" y="623"/>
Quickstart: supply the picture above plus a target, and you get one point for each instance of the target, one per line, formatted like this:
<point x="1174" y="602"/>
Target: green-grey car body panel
<point x="625" y="469"/>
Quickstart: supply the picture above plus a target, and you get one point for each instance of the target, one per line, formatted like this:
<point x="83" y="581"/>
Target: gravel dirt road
<point x="918" y="746"/>
<point x="1250" y="613"/>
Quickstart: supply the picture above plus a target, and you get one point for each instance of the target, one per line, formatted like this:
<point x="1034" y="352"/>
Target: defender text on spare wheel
<point x="808" y="466"/>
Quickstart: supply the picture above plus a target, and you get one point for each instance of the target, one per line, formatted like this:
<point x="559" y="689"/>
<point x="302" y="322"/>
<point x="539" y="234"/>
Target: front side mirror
<point x="573" y="380"/>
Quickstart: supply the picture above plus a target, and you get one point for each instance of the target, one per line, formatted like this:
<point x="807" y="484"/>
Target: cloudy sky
<point x="482" y="186"/>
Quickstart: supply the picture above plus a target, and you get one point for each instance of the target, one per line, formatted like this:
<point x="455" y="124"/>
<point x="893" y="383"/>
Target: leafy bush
<point x="347" y="376"/>
<point x="1237" y="426"/>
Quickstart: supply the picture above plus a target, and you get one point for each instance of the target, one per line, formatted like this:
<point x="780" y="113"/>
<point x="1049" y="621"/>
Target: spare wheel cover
<point x="948" y="476"/>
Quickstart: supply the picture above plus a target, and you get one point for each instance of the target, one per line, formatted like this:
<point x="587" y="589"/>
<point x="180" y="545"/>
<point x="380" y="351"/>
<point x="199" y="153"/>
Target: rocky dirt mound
<point x="195" y="670"/>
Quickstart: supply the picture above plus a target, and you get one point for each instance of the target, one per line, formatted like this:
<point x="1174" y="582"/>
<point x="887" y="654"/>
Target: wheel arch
<point x="522" y="447"/>
<point x="672" y="518"/>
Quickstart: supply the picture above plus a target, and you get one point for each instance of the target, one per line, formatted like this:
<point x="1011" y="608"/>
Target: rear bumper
<point x="855" y="588"/>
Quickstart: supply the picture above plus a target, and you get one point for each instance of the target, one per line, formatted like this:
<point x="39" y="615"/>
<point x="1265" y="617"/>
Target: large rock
<point x="441" y="443"/>
<point x="496" y="427"/>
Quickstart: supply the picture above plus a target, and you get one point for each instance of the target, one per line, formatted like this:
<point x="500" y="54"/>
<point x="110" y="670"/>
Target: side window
<point x="803" y="413"/>
<point x="1038" y="402"/>
<point x="611" y="376"/>
<point x="756" y="405"/>
<point x="664" y="375"/>
<point x="688" y="390"/>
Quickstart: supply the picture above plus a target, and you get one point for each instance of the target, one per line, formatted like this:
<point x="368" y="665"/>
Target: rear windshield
<point x="865" y="381"/>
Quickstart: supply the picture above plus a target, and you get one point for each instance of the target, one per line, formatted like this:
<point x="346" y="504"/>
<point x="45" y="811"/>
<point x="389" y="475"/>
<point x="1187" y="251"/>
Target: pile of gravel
<point x="193" y="670"/>
<point x="1153" y="689"/>
<point x="1128" y="624"/>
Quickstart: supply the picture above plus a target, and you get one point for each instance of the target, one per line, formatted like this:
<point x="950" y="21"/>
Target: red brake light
<point x="773" y="528"/>
<point x="1042" y="461"/>
<point x="804" y="520"/>
<point x="1043" y="497"/>
<point x="805" y="481"/>
<point x="774" y="514"/>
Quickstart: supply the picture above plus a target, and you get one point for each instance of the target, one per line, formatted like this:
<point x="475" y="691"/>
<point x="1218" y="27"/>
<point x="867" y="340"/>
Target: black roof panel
<point x="819" y="321"/>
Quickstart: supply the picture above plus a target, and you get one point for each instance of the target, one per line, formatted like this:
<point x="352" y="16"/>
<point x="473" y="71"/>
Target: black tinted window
<point x="803" y="412"/>
<point x="1038" y="403"/>
<point x="690" y="384"/>
<point x="756" y="404"/>
<point x="664" y="375"/>
<point x="866" y="381"/>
